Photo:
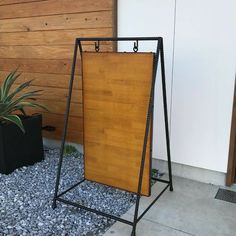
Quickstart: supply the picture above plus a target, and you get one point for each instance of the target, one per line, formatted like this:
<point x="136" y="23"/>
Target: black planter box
<point x="19" y="149"/>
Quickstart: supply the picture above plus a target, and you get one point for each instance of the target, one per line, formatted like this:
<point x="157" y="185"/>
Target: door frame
<point x="231" y="171"/>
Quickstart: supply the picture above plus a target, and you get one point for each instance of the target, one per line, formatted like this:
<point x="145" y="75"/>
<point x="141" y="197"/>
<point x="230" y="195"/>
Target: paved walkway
<point x="190" y="210"/>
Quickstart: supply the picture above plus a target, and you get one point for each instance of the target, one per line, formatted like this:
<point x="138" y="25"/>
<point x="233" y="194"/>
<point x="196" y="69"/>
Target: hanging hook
<point x="97" y="44"/>
<point x="135" y="48"/>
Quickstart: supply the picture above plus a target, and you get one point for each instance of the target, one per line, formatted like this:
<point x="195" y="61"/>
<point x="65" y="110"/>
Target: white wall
<point x="204" y="70"/>
<point x="200" y="91"/>
<point x="137" y="18"/>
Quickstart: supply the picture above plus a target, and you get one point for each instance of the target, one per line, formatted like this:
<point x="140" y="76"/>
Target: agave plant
<point x="16" y="100"/>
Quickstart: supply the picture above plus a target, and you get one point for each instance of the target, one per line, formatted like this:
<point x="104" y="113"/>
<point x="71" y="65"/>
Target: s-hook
<point x="97" y="44"/>
<point x="135" y="48"/>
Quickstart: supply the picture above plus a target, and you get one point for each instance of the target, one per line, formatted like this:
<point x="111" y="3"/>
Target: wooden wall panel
<point x="75" y="131"/>
<point x="10" y="2"/>
<point x="37" y="36"/>
<point x="60" y="37"/>
<point x="58" y="22"/>
<point x="59" y="107"/>
<point x="53" y="7"/>
<point x="47" y="80"/>
<point x="38" y="65"/>
<point x="45" y="52"/>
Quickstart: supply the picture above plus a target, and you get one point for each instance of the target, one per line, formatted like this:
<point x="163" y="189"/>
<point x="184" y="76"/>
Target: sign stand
<point x="158" y="55"/>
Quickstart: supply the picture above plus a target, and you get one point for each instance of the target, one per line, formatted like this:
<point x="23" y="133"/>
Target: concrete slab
<point x="190" y="209"/>
<point x="145" y="228"/>
<point x="193" y="209"/>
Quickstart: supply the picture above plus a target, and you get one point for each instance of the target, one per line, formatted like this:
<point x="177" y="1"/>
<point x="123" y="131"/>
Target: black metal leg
<point x="166" y="114"/>
<point x="65" y="125"/>
<point x="133" y="230"/>
<point x="135" y="215"/>
<point x="58" y="178"/>
<point x="148" y="123"/>
<point x="54" y="204"/>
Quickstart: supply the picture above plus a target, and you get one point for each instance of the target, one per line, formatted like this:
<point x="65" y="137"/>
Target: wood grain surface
<point x="38" y="36"/>
<point x="116" y="92"/>
<point x="53" y="7"/>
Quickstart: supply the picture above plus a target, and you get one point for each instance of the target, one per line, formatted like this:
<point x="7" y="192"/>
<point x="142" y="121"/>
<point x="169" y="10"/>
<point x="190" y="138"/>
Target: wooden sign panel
<point x="116" y="92"/>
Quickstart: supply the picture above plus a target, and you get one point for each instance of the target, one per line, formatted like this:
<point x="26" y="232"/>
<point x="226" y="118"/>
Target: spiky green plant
<point x="15" y="100"/>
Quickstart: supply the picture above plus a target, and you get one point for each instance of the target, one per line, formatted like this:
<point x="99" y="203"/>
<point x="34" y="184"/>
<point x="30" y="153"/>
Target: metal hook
<point x="135" y="48"/>
<point x="97" y="44"/>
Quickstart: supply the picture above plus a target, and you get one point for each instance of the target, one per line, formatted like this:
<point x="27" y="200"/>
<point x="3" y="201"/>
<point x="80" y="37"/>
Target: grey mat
<point x="226" y="195"/>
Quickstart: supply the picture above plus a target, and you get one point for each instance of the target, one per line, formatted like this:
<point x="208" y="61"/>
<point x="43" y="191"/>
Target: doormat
<point x="226" y="195"/>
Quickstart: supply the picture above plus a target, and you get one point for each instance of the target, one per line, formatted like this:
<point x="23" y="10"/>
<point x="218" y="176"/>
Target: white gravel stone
<point x="26" y="198"/>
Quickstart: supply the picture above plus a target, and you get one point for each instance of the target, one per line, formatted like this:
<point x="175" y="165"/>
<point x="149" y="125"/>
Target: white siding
<point x="203" y="76"/>
<point x="204" y="71"/>
<point x="137" y="18"/>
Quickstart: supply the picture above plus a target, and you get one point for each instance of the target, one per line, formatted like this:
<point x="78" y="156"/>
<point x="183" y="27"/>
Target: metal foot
<point x="134" y="229"/>
<point x="54" y="204"/>
<point x="171" y="188"/>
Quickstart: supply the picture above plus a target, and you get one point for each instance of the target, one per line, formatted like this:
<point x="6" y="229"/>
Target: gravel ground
<point x="26" y="197"/>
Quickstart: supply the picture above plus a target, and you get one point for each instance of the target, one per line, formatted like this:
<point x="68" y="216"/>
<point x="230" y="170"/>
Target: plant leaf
<point x="3" y="107"/>
<point x="17" y="90"/>
<point x="14" y="119"/>
<point x="11" y="105"/>
<point x="23" y="104"/>
<point x="6" y="86"/>
<point x="10" y="102"/>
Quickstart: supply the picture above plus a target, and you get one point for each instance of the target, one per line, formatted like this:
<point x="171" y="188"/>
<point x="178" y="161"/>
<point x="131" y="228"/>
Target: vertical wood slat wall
<point x="38" y="36"/>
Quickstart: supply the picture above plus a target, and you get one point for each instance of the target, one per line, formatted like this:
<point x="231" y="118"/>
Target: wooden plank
<point x="58" y="107"/>
<point x="53" y="7"/>
<point x="130" y="111"/>
<point x="106" y="95"/>
<point x="115" y="117"/>
<point x="115" y="136"/>
<point x="57" y="22"/>
<point x="38" y="65"/>
<point x="55" y="94"/>
<point x="75" y="137"/>
<point x="37" y="52"/>
<point x="74" y="124"/>
<point x="116" y="176"/>
<point x="46" y="80"/>
<point x="75" y="127"/>
<point x="60" y="37"/>
<point x="45" y="52"/>
<point x="10" y="2"/>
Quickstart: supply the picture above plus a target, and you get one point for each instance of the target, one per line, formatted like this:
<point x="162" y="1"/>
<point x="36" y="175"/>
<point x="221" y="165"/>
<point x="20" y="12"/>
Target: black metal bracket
<point x="97" y="46"/>
<point x="135" y="48"/>
<point x="49" y="128"/>
<point x="159" y="56"/>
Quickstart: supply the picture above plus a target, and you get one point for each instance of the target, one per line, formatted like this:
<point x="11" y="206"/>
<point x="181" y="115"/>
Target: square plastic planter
<point x="19" y="149"/>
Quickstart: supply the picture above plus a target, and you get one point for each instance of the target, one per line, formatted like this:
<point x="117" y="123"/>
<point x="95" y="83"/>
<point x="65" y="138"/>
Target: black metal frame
<point x="149" y="122"/>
